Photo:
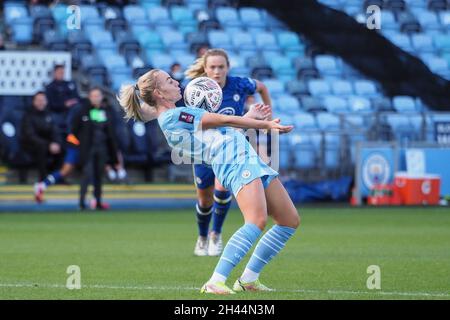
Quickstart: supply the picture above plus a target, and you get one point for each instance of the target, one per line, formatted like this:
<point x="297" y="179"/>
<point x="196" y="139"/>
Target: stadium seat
<point x="288" y="104"/>
<point x="228" y="17"/>
<point x="22" y="30"/>
<point x="422" y="43"/>
<point x="304" y="151"/>
<point x="54" y="41"/>
<point x="365" y="88"/>
<point x="341" y="88"/>
<point x="101" y="39"/>
<point x="442" y="42"/>
<point x="318" y="87"/>
<point x="335" y="104"/>
<point x="174" y="41"/>
<point x="290" y="43"/>
<point x="14" y="11"/>
<point x="159" y="16"/>
<point x="134" y="12"/>
<point x="327" y="121"/>
<point x="266" y="41"/>
<point x="161" y="61"/>
<point x="359" y="104"/>
<point x="401" y="127"/>
<point x="297" y="88"/>
<point x="327" y="65"/>
<point x="88" y="12"/>
<point x="304" y="121"/>
<point x="251" y="17"/>
<point x="275" y="87"/>
<point x="404" y="104"/>
<point x="220" y="39"/>
<point x="428" y="20"/>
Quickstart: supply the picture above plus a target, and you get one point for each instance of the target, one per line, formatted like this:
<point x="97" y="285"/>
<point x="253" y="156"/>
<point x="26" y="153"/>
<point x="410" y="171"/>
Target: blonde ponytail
<point x="197" y="69"/>
<point x="130" y="98"/>
<point x="129" y="101"/>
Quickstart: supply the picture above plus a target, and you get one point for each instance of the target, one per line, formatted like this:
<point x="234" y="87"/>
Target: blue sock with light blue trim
<point x="236" y="248"/>
<point x="222" y="203"/>
<point x="268" y="247"/>
<point x="53" y="178"/>
<point x="203" y="219"/>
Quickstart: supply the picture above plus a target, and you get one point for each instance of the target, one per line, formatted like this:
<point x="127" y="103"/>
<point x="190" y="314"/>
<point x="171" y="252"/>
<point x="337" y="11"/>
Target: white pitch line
<point x="116" y="287"/>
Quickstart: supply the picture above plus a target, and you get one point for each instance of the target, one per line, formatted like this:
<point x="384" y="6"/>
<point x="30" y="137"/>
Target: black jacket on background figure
<point x="83" y="129"/>
<point x="93" y="127"/>
<point x="38" y="130"/>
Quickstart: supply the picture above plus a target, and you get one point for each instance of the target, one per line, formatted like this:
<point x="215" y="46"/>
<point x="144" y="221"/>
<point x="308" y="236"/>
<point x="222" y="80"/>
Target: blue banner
<point x="376" y="166"/>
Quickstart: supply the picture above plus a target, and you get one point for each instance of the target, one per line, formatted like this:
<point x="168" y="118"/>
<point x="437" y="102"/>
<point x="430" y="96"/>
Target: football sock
<point x="203" y="219"/>
<point x="53" y="178"/>
<point x="236" y="248"/>
<point x="268" y="247"/>
<point x="222" y="202"/>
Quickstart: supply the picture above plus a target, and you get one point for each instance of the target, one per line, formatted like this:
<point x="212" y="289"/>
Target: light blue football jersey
<point x="233" y="160"/>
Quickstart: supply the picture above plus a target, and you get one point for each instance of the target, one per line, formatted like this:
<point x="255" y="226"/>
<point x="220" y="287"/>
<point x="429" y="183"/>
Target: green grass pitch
<point x="149" y="255"/>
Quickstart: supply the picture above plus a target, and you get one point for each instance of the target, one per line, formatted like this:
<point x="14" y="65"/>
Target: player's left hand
<point x="259" y="111"/>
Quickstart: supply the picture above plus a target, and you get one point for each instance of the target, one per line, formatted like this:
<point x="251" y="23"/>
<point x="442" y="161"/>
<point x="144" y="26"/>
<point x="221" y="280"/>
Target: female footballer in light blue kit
<point x="255" y="185"/>
<point x="213" y="199"/>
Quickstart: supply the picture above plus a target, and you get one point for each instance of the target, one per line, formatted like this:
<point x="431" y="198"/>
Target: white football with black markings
<point x="204" y="93"/>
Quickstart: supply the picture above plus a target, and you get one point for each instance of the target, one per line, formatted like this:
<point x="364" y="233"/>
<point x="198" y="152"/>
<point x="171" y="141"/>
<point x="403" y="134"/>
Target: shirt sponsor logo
<point x="186" y="117"/>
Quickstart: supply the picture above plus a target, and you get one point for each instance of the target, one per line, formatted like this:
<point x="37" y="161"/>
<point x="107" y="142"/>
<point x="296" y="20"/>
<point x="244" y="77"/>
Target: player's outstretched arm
<point x="214" y="120"/>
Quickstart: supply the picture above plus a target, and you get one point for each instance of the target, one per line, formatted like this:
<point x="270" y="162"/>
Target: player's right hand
<point x="275" y="125"/>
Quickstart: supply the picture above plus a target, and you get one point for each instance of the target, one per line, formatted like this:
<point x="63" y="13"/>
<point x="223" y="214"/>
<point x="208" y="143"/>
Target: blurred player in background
<point x="40" y="135"/>
<point x="72" y="159"/>
<point x="255" y="185"/>
<point x="213" y="199"/>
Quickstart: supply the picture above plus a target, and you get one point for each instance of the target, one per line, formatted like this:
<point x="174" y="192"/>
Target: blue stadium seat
<point x="297" y="88"/>
<point x="444" y="17"/>
<point x="243" y="42"/>
<point x="442" y="42"/>
<point x="428" y="20"/>
<point x="220" y="39"/>
<point x="404" y="104"/>
<point x="422" y="42"/>
<point x="402" y="41"/>
<point x="332" y="156"/>
<point x="22" y="30"/>
<point x="437" y="65"/>
<point x="359" y="104"/>
<point x="341" y="88"/>
<point x="290" y="43"/>
<point x="185" y="60"/>
<point x="282" y="66"/>
<point x="304" y="151"/>
<point x="266" y="41"/>
<point x="275" y="87"/>
<point x="327" y="65"/>
<point x="59" y="12"/>
<point x="287" y="104"/>
<point x="401" y="127"/>
<point x="134" y="12"/>
<point x="318" y="87"/>
<point x="101" y="39"/>
<point x="335" y="104"/>
<point x="113" y="61"/>
<point x="228" y="17"/>
<point x="88" y="12"/>
<point x="365" y="88"/>
<point x="196" y="4"/>
<point x="161" y="61"/>
<point x="138" y="152"/>
<point x="14" y="11"/>
<point x="327" y="121"/>
<point x="159" y="16"/>
<point x="184" y="18"/>
<point x="252" y="19"/>
<point x="174" y="40"/>
<point x="304" y="121"/>
<point x="388" y="20"/>
<point x="151" y="41"/>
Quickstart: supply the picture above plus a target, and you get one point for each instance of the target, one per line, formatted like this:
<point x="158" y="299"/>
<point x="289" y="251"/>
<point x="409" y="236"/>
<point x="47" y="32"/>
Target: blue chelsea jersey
<point x="235" y="93"/>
